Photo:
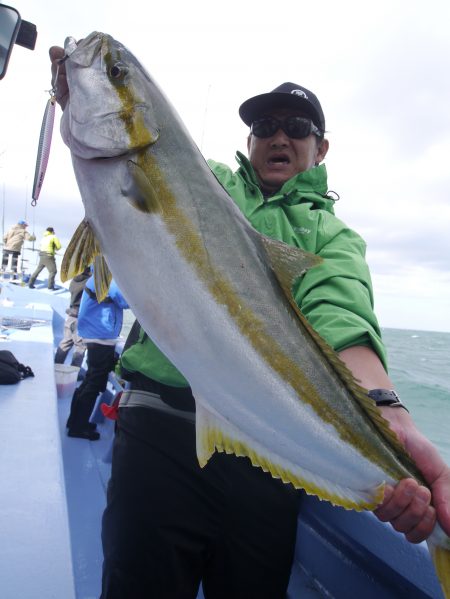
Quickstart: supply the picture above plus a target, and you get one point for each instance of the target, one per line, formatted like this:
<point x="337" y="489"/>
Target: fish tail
<point x="441" y="561"/>
<point x="439" y="546"/>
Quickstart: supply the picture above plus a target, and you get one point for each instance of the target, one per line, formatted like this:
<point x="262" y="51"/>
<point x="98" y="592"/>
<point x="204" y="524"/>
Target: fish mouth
<point x="84" y="51"/>
<point x="70" y="45"/>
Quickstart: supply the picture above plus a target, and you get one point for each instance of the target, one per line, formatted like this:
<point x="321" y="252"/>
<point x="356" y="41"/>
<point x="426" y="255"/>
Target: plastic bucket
<point x="66" y="380"/>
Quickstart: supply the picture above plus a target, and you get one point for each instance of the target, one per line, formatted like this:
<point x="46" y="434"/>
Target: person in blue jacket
<point x="99" y="324"/>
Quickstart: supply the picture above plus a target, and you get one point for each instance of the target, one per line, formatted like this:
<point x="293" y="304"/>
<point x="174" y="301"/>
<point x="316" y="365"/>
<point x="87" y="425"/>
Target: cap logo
<point x="299" y="92"/>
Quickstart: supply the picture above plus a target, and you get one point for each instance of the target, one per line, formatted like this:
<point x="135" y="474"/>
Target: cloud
<point x="381" y="78"/>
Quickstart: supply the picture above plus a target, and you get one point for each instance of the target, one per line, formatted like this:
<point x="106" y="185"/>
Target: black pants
<point x="100" y="362"/>
<point x="15" y="259"/>
<point x="169" y="524"/>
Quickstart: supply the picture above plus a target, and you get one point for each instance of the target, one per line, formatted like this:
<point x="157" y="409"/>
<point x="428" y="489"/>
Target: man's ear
<point x="322" y="150"/>
<point x="249" y="138"/>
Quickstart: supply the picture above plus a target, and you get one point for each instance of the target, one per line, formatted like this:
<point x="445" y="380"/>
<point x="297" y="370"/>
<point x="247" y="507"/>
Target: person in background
<point x="49" y="246"/>
<point x="169" y="524"/>
<point x="99" y="325"/>
<point x="13" y="242"/>
<point x="71" y="337"/>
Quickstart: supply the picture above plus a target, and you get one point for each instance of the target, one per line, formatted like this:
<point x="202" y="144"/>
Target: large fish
<point x="215" y="295"/>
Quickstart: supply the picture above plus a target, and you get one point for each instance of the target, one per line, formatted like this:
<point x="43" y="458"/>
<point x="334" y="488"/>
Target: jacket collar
<point x="309" y="185"/>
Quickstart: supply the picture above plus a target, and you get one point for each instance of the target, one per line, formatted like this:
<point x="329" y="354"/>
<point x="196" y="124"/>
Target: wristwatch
<point x="386" y="397"/>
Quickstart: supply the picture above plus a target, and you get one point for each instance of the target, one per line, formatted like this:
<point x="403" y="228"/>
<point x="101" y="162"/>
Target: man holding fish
<point x="169" y="523"/>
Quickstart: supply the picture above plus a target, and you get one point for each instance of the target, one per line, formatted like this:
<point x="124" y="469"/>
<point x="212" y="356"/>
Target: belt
<point x="132" y="398"/>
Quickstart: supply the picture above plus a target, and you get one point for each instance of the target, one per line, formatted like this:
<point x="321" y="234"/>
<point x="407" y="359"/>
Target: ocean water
<point x="419" y="365"/>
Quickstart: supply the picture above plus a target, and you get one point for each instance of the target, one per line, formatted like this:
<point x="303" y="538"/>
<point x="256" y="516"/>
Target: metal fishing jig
<point x="45" y="138"/>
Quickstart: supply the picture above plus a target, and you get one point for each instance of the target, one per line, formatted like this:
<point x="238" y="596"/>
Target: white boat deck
<point x="35" y="548"/>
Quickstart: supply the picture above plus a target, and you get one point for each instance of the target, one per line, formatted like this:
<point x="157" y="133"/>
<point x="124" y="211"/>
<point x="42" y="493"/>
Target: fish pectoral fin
<point x="80" y="253"/>
<point x="214" y="433"/>
<point x="140" y="191"/>
<point x="102" y="277"/>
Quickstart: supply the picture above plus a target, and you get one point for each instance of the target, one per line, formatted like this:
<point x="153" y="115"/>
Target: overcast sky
<point x="380" y="70"/>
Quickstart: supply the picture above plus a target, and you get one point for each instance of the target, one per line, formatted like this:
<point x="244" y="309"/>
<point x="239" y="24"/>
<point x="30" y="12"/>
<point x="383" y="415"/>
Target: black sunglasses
<point x="296" y="127"/>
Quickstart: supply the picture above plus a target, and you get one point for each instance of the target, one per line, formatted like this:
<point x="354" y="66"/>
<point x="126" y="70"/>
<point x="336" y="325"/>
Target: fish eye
<point x="118" y="71"/>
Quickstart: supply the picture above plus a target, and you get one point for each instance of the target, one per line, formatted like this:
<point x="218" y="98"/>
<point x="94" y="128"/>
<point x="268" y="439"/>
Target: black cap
<point x="50" y="229"/>
<point x="286" y="95"/>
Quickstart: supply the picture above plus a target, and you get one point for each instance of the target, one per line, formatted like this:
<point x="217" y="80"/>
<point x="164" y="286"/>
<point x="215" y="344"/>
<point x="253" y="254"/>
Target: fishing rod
<point x="3" y="213"/>
<point x="205" y="116"/>
<point x="3" y="205"/>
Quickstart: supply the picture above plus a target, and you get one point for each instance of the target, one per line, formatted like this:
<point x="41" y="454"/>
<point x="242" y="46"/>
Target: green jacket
<point x="336" y="298"/>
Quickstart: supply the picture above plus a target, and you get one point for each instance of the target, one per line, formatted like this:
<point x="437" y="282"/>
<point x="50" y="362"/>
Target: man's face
<point x="278" y="158"/>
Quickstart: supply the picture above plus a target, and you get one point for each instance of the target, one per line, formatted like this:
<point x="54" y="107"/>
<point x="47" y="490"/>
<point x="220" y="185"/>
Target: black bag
<point x="11" y="371"/>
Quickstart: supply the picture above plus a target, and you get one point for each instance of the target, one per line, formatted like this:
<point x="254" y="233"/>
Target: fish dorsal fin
<point x="102" y="277"/>
<point x="365" y="403"/>
<point x="80" y="253"/>
<point x="288" y="263"/>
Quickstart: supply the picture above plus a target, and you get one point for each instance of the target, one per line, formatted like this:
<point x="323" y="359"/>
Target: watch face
<point x="386" y="397"/>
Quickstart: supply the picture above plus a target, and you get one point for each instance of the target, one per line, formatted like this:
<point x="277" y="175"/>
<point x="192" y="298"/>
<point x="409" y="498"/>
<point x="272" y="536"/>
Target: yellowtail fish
<point x="215" y="295"/>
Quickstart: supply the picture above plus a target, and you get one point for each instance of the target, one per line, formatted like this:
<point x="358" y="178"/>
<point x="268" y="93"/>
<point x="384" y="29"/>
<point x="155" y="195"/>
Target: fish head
<point x="109" y="112"/>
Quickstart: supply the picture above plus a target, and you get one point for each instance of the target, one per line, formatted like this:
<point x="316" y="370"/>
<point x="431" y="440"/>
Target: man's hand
<point x="59" y="80"/>
<point x="410" y="507"/>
